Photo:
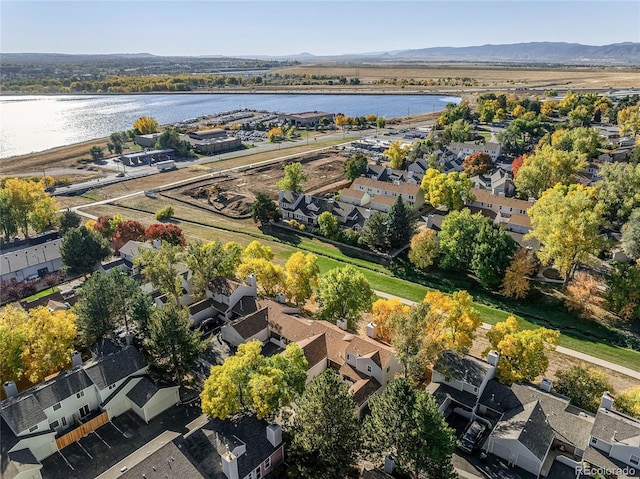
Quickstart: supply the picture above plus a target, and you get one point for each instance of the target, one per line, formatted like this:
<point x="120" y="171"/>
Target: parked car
<point x="472" y="436"/>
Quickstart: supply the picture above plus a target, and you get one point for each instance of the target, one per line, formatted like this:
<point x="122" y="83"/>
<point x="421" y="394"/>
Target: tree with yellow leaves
<point x="396" y="153"/>
<point x="270" y="277"/>
<point x="516" y="282"/>
<point x="628" y="401"/>
<point x="451" y="190"/>
<point x="629" y="120"/>
<point x="383" y="310"/>
<point x="522" y="352"/>
<point x="39" y="342"/>
<point x="424" y="248"/>
<point x="301" y="277"/>
<point x="146" y="125"/>
<point x="30" y="205"/>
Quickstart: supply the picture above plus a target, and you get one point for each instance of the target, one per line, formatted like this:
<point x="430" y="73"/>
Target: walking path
<point x="560" y="349"/>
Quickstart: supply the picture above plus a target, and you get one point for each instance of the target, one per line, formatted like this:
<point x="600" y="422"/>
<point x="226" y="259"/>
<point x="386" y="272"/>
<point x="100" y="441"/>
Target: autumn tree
<point x="628" y="402"/>
<point x="516" y="283"/>
<point x="382" y="312"/>
<point x="477" y="163"/>
<point x="82" y="249"/>
<point x="545" y="168"/>
<point x="355" y="166"/>
<point x="629" y="120"/>
<point x="344" y="293"/>
<point x="517" y="164"/>
<point x="623" y="292"/>
<point x="451" y="190"/>
<point x="167" y="233"/>
<point x="326" y="405"/>
<point x="302" y="273"/>
<point x="145" y="125"/>
<point x="619" y="189"/>
<point x="583" y="385"/>
<point x="170" y="139"/>
<point x="406" y="423"/>
<point x="172" y="345"/>
<point x="126" y="231"/>
<point x="208" y="261"/>
<point x="39" y="342"/>
<point x="566" y="220"/>
<point x="106" y="226"/>
<point x="410" y="342"/>
<point x="453" y="112"/>
<point x="522" y="351"/>
<point x="580" y="140"/>
<point x="631" y="235"/>
<point x="8" y="219"/>
<point x="270" y="277"/>
<point x="397" y="152"/>
<point x="160" y="268"/>
<point x="424" y="248"/>
<point x="294" y="179"/>
<point x="581" y="292"/>
<point x="249" y="381"/>
<point x="27" y="205"/>
<point x="264" y="209"/>
<point x="328" y="225"/>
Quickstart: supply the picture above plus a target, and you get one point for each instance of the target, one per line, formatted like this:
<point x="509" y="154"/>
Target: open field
<point x="484" y="76"/>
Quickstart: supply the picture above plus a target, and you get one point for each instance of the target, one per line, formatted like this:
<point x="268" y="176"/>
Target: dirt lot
<point x="232" y="194"/>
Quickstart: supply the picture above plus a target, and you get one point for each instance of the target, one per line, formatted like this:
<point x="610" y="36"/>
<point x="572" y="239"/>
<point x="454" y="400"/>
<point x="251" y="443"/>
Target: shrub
<point x="165" y="214"/>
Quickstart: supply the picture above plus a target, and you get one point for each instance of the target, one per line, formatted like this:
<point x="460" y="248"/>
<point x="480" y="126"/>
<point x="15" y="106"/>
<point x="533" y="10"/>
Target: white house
<point x="466" y="149"/>
<point x="33" y="261"/>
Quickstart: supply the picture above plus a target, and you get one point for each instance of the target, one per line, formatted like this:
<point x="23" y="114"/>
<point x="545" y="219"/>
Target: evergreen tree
<point x="493" y="252"/>
<point x="400" y="224"/>
<point x="81" y="249"/>
<point x="264" y="209"/>
<point x="326" y="433"/>
<point x="68" y="219"/>
<point x="375" y="233"/>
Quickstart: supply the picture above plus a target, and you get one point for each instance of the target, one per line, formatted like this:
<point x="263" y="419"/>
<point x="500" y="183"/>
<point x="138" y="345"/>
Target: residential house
<point x="365" y="363"/>
<point x="410" y="192"/>
<point x="131" y="250"/>
<point x="462" y="150"/>
<point x="306" y="209"/>
<point x="31" y="262"/>
<point x="108" y="385"/>
<point x="510" y="212"/>
<point x="497" y="181"/>
<point x="614" y="443"/>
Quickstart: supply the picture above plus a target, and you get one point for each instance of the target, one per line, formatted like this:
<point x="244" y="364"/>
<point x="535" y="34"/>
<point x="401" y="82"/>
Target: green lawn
<point x="42" y="293"/>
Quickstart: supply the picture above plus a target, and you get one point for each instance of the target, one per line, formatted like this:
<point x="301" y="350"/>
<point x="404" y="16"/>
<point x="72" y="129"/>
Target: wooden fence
<point x="82" y="430"/>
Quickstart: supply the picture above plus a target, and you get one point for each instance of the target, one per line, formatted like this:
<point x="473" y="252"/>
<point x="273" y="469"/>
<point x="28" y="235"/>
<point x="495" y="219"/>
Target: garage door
<point x="501" y="451"/>
<point x="528" y="465"/>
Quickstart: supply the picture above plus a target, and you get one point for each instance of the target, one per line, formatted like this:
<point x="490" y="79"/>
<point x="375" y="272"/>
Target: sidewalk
<point x="560" y="349"/>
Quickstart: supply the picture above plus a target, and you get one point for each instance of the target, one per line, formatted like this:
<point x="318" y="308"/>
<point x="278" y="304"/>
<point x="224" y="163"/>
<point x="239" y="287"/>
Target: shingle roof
<point x="441" y="392"/>
<point x="314" y="348"/>
<point x="19" y="462"/>
<point x="252" y="324"/>
<point x="363" y="389"/>
<point x="22" y="412"/>
<point x="485" y="196"/>
<point x="66" y="384"/>
<point x="168" y="462"/>
<point x="142" y="392"/>
<point x="602" y="460"/>
<point x="115" y="367"/>
<point x="403" y="188"/>
<point x="626" y="429"/>
<point x="463" y="368"/>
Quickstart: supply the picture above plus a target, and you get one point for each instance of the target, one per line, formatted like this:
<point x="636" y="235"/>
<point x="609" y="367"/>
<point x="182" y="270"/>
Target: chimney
<point x="546" y="384"/>
<point x="307" y="199"/>
<point x="251" y="281"/>
<point x="389" y="464"/>
<point x="280" y="298"/>
<point x="156" y="243"/>
<point x="342" y="323"/>
<point x="493" y="357"/>
<point x="371" y="330"/>
<point x="230" y="465"/>
<point x="274" y="434"/>
<point x="10" y="389"/>
<point x="76" y="359"/>
<point x="607" y="401"/>
<point x="429" y="221"/>
<point x="367" y="213"/>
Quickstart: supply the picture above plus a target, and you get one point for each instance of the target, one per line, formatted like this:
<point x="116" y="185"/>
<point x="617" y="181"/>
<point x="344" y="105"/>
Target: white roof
<point x="31" y="256"/>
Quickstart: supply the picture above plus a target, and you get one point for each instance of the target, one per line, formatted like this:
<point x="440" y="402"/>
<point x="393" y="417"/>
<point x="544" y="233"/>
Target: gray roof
<point x="142" y="392"/>
<point x="66" y="384"/>
<point x="626" y="429"/>
<point x="20" y="461"/>
<point x="167" y="462"/>
<point x="602" y="460"/>
<point x="442" y="391"/>
<point x="114" y="367"/>
<point x="252" y="324"/>
<point x="463" y="368"/>
<point x="22" y="412"/>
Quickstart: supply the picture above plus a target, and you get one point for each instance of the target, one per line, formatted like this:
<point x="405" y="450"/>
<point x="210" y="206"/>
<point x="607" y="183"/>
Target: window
<point x="56" y="406"/>
<point x="267" y="462"/>
<point x="64" y="421"/>
<point x="594" y="440"/>
<point x="635" y="460"/>
<point x="54" y="424"/>
<point x="112" y="386"/>
<point x="258" y="473"/>
<point x="348" y="356"/>
<point x="369" y="369"/>
<point x="80" y="394"/>
<point x="31" y="429"/>
<point x="388" y="368"/>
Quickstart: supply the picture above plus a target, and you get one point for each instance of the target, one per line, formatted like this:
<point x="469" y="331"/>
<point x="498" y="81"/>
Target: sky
<point x="319" y="27"/>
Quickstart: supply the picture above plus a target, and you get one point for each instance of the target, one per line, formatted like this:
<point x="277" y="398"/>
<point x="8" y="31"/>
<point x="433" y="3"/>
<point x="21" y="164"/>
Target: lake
<point x="37" y="123"/>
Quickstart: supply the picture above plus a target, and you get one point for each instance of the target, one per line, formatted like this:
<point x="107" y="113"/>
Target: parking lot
<point x="99" y="450"/>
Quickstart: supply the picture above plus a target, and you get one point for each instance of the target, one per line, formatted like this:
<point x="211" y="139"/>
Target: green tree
<point x="631" y="235"/>
<point x="477" y="164"/>
<point x="328" y="225"/>
<point x="566" y="220"/>
<point x="421" y="149"/>
<point x="397" y="152"/>
<point x="165" y="213"/>
<point x="249" y="381"/>
<point x="160" y="268"/>
<point x="424" y="248"/>
<point x="522" y="352"/>
<point x="8" y="219"/>
<point x="68" y="219"/>
<point x="521" y="134"/>
<point x="619" y="189"/>
<point x="355" y="166"/>
<point x="401" y="223"/>
<point x="583" y="385"/>
<point x="208" y="262"/>
<point x="581" y="140"/>
<point x="629" y="120"/>
<point x="170" y="139"/>
<point x="116" y="143"/>
<point x="623" y="293"/>
<point x="294" y="179"/>
<point x="453" y="112"/>
<point x="409" y="341"/>
<point x="451" y="190"/>
<point x="375" y="233"/>
<point x="172" y="345"/>
<point x="459" y="130"/>
<point x="145" y="125"/>
<point x="325" y="433"/>
<point x="264" y="209"/>
<point x="580" y="116"/>
<point x="344" y="293"/>
<point x="492" y="255"/>
<point x="545" y="168"/>
<point x="380" y="122"/>
<point x="457" y="238"/>
<point x="82" y="249"/>
<point x="407" y="423"/>
<point x="27" y="205"/>
<point x="96" y="152"/>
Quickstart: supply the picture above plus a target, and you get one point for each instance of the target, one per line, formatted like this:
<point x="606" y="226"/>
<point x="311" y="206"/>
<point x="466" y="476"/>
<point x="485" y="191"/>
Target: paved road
<point x="566" y="351"/>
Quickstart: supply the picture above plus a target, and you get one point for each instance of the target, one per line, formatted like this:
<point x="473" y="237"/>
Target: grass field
<point x="540" y="309"/>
